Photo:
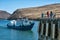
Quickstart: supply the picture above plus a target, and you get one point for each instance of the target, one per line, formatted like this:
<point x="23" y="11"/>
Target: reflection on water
<point x="15" y="35"/>
<point x="11" y="34"/>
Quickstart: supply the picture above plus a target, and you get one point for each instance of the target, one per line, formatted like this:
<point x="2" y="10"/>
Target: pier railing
<point x="57" y="15"/>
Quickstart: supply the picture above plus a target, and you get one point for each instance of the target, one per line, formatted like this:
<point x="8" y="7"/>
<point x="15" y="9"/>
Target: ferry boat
<point x="23" y="24"/>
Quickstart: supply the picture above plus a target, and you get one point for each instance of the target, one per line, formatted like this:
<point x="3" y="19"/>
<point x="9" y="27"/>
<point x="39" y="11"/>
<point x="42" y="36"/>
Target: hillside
<point x="4" y="14"/>
<point x="35" y="12"/>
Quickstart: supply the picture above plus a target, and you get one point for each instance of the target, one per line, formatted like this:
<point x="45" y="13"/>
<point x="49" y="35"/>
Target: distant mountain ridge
<point x="35" y="12"/>
<point x="4" y="14"/>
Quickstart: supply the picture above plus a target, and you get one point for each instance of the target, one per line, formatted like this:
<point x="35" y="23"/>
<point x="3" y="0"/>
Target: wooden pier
<point x="49" y="28"/>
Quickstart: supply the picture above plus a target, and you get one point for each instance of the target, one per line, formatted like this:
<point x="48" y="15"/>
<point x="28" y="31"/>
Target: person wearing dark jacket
<point x="42" y="15"/>
<point x="51" y="14"/>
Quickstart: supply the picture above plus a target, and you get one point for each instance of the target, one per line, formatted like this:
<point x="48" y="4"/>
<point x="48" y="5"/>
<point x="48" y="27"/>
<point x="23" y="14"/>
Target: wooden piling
<point x="42" y="27"/>
<point x="47" y="26"/>
<point x="44" y="30"/>
<point x="53" y="31"/>
<point x="49" y="29"/>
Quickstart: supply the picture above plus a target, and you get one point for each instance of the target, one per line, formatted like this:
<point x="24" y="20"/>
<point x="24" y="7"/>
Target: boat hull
<point x="21" y="27"/>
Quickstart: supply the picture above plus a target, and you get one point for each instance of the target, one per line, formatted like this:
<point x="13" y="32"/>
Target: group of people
<point x="49" y="14"/>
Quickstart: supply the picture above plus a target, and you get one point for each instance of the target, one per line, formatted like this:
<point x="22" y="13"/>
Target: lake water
<point x="11" y="34"/>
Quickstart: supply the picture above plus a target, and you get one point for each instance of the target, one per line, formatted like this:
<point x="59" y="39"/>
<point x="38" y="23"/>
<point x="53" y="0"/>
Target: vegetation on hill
<point x="35" y="12"/>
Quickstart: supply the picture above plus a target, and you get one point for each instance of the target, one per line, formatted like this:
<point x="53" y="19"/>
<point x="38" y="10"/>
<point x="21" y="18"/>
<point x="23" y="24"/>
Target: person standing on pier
<point x="51" y="14"/>
<point x="54" y="15"/>
<point x="42" y="15"/>
<point x="48" y="14"/>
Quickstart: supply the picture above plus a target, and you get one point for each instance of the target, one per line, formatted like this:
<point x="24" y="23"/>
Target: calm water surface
<point x="11" y="34"/>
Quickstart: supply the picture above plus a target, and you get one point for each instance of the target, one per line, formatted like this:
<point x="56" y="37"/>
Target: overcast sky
<point x="11" y="5"/>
